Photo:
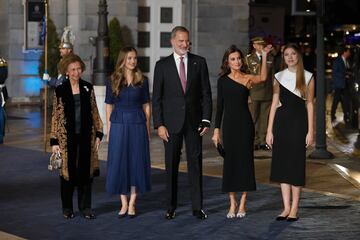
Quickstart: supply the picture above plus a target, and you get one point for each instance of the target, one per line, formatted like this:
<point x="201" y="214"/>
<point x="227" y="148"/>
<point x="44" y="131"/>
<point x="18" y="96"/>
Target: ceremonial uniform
<point x="260" y="94"/>
<point x="3" y="96"/>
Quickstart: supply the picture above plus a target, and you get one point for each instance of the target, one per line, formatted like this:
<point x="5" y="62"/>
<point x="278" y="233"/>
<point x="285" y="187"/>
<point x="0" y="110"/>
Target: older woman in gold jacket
<point x="76" y="131"/>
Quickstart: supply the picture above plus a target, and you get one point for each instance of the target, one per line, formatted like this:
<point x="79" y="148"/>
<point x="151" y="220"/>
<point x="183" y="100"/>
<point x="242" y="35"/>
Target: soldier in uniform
<point x="66" y="47"/>
<point x="260" y="94"/>
<point x="3" y="96"/>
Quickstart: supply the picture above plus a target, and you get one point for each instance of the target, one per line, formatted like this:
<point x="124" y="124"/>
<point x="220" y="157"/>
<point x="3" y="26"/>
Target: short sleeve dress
<point x="128" y="162"/>
<point x="289" y="130"/>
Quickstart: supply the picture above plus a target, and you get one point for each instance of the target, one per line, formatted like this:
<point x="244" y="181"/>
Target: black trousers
<point x="342" y="96"/>
<point x="83" y="195"/>
<point x="193" y="144"/>
<point x="83" y="185"/>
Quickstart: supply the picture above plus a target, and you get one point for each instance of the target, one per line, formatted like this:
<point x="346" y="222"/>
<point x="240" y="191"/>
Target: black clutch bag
<point x="220" y="149"/>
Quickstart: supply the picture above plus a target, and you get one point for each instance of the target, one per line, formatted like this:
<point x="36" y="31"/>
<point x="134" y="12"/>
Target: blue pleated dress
<point x="128" y="152"/>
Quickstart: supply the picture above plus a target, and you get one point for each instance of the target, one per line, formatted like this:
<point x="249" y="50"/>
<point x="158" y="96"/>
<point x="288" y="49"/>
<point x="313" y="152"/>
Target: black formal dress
<point x="289" y="130"/>
<point x="238" y="135"/>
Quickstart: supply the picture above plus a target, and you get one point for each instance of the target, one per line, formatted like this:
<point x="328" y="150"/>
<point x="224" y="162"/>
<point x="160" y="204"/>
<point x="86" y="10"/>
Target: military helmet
<point x="3" y="62"/>
<point x="67" y="38"/>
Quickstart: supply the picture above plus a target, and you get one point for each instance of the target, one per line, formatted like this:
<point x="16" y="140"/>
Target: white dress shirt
<point x="177" y="62"/>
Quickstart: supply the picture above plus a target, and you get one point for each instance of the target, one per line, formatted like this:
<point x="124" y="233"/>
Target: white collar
<point x="177" y="56"/>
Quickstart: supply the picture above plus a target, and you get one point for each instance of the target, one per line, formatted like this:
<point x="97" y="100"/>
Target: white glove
<point x="46" y="77"/>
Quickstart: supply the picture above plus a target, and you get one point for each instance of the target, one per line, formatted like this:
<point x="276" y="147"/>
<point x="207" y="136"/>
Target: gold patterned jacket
<point x="63" y="131"/>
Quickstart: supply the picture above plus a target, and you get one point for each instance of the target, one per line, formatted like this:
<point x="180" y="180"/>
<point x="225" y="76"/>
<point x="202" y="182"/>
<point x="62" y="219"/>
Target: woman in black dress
<point x="290" y="129"/>
<point x="238" y="127"/>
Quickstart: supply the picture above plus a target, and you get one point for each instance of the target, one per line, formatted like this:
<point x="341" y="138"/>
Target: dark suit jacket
<point x="170" y="104"/>
<point x="339" y="73"/>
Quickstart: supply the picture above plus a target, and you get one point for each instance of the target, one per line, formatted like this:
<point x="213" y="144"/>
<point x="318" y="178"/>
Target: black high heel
<point x="281" y="218"/>
<point x="292" y="219"/>
<point x="131" y="215"/>
<point x="68" y="214"/>
<point x="88" y="214"/>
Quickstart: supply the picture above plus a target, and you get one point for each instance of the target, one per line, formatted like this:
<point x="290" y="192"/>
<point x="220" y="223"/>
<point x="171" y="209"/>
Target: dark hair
<point x="300" y="73"/>
<point x="178" y="29"/>
<point x="225" y="70"/>
<point x="118" y="77"/>
<point x="69" y="59"/>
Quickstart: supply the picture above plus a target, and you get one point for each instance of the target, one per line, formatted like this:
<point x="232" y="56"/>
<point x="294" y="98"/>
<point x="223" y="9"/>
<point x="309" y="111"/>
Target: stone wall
<point x="23" y="82"/>
<point x="215" y="26"/>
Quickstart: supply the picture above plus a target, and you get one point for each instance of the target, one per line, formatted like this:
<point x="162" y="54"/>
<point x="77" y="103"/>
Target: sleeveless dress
<point x="289" y="130"/>
<point x="237" y="135"/>
<point x="128" y="151"/>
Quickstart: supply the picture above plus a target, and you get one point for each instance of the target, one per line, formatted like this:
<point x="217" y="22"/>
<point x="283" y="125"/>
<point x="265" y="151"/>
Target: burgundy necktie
<point x="182" y="73"/>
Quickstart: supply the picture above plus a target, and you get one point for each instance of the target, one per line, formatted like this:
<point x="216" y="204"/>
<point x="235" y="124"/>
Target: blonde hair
<point x="118" y="80"/>
<point x="300" y="71"/>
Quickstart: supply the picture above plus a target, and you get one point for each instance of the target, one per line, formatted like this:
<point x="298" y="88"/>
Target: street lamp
<point x="101" y="64"/>
<point x="320" y="151"/>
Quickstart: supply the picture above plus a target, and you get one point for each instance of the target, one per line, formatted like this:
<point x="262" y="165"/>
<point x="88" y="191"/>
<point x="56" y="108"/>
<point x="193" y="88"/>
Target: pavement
<point x="339" y="176"/>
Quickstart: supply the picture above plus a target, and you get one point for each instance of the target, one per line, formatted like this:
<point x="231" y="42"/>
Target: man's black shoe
<point x="170" y="214"/>
<point x="200" y="214"/>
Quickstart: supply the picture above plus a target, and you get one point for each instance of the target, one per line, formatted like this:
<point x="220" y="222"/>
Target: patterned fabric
<point x="60" y="127"/>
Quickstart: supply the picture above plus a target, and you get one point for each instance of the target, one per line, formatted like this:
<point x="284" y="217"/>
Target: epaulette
<point x="3" y="62"/>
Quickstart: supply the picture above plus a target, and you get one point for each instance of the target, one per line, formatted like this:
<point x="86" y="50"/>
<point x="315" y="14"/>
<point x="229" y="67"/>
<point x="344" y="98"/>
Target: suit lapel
<point x="190" y="70"/>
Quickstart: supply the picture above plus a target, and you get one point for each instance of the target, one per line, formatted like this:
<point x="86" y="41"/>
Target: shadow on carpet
<point x="30" y="208"/>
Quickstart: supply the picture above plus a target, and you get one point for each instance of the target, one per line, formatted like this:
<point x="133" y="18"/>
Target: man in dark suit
<point x="182" y="107"/>
<point x="339" y="77"/>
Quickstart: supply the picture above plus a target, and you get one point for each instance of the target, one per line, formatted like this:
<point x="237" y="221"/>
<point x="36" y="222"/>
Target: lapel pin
<point x="86" y="88"/>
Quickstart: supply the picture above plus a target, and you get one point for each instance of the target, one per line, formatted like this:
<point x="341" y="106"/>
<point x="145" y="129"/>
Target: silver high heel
<point x="241" y="214"/>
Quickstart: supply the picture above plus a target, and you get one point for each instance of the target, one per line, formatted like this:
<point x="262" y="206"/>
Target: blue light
<point x="31" y="86"/>
<point x="30" y="68"/>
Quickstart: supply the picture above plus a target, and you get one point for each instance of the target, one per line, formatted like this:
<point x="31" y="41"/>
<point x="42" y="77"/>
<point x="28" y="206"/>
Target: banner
<point x="34" y="14"/>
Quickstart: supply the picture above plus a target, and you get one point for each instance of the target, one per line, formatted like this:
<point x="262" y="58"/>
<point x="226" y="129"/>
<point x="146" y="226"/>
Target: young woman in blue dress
<point x="128" y="127"/>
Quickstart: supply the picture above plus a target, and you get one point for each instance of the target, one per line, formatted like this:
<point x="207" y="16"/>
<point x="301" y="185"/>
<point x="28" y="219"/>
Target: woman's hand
<point x="309" y="139"/>
<point x="269" y="139"/>
<point x="266" y="50"/>
<point x="55" y="148"/>
<point x="216" y="137"/>
<point x="97" y="144"/>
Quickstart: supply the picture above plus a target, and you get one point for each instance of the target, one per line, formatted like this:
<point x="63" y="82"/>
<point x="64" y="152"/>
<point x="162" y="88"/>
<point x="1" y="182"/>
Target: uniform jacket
<point x="261" y="91"/>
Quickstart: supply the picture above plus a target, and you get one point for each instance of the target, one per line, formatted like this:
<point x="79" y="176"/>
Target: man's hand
<point x="204" y="131"/>
<point x="203" y="128"/>
<point x="46" y="77"/>
<point x="163" y="133"/>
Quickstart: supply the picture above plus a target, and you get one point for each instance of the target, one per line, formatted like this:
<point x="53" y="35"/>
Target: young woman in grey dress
<point x="290" y="129"/>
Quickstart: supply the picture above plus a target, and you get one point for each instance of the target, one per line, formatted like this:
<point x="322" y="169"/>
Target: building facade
<point x="213" y="25"/>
